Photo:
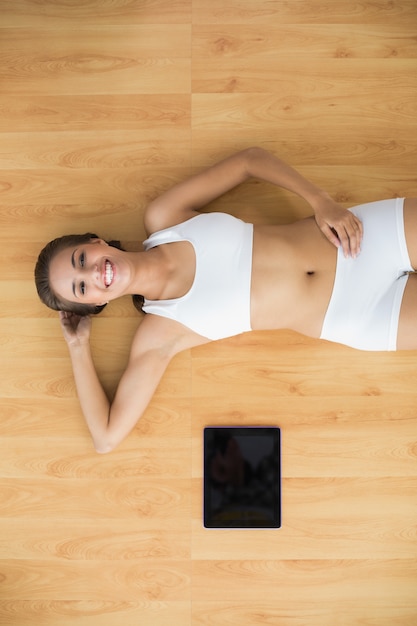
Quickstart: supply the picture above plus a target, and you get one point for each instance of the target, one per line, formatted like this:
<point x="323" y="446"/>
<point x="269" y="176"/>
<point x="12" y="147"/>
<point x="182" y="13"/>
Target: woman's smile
<point x="108" y="273"/>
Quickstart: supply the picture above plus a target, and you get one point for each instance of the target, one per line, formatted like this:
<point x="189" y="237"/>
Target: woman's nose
<point x="90" y="272"/>
<point x="96" y="273"/>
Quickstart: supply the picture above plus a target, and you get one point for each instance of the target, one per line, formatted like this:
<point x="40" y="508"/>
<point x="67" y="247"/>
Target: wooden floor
<point x="103" y="104"/>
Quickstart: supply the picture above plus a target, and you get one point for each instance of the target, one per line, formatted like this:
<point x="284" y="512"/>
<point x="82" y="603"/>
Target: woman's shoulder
<point x="163" y="336"/>
<point x="158" y="217"/>
<point x="194" y="223"/>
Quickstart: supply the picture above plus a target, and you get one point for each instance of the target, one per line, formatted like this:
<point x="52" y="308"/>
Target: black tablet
<point x="242" y="477"/>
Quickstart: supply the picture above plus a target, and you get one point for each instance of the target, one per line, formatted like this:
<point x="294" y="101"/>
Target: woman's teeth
<point x="108" y="278"/>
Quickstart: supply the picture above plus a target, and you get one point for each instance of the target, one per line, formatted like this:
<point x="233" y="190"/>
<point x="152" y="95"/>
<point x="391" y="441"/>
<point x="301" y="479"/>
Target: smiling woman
<point x="207" y="276"/>
<point x="56" y="270"/>
<point x="82" y="273"/>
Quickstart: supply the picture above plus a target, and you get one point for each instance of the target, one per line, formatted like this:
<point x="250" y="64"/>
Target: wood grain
<point x="103" y="105"/>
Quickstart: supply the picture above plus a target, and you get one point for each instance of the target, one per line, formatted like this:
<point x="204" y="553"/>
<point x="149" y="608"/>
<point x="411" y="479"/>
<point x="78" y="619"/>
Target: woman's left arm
<point x="182" y="201"/>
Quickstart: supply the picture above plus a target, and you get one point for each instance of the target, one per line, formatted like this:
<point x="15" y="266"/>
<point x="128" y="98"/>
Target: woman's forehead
<point x="61" y="268"/>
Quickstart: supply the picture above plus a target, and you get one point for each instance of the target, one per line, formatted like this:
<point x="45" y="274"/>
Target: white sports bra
<point x="218" y="303"/>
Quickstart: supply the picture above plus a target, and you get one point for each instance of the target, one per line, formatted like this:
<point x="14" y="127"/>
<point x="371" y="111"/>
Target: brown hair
<point x="43" y="286"/>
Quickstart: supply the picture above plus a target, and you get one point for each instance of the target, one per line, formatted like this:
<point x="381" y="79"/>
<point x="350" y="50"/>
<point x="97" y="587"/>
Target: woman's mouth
<point x="108" y="274"/>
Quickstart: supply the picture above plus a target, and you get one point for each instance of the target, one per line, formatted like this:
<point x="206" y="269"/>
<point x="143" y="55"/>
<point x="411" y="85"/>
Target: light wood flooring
<point x="103" y="104"/>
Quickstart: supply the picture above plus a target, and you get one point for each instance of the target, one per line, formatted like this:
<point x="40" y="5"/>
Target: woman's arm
<point x="340" y="226"/>
<point x="155" y="343"/>
<point x="183" y="200"/>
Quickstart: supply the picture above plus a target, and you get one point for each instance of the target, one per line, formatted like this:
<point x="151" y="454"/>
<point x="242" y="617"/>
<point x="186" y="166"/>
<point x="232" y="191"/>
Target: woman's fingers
<point x="349" y="232"/>
<point x="343" y="229"/>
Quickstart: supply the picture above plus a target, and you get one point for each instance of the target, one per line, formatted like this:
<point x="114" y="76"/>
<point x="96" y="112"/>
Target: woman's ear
<point x="98" y="240"/>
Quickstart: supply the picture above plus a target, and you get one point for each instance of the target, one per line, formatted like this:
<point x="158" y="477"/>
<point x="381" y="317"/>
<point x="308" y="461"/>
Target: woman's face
<point x="90" y="273"/>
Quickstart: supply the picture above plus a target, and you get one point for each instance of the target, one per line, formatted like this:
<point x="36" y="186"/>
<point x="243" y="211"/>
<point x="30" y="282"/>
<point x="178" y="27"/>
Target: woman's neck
<point x="165" y="272"/>
<point x="150" y="273"/>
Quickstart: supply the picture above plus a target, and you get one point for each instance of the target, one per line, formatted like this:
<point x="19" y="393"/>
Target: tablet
<point x="242" y="477"/>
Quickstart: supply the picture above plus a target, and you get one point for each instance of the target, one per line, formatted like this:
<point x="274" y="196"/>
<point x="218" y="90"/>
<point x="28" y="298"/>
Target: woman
<point x="208" y="276"/>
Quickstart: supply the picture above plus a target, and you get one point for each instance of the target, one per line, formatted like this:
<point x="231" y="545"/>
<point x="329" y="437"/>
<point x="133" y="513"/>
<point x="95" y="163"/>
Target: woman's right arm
<point x="156" y="341"/>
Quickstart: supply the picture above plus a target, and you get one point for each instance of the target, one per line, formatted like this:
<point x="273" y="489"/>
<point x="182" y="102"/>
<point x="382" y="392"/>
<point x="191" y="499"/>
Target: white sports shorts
<point x="364" y="307"/>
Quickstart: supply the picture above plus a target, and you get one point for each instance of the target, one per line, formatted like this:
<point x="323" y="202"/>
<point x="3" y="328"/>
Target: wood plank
<point x="32" y="13"/>
<point x="99" y="186"/>
<point x="156" y="581"/>
<point x="323" y="613"/>
<point x="31" y="539"/>
<point x="342" y="41"/>
<point x="330" y="12"/>
<point x="91" y="612"/>
<point x="89" y="150"/>
<point x="338" y="581"/>
<point x="102" y="60"/>
<point x="89" y="498"/>
<point x="95" y="112"/>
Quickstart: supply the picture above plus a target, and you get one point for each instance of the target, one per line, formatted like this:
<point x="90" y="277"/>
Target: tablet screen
<point x="242" y="477"/>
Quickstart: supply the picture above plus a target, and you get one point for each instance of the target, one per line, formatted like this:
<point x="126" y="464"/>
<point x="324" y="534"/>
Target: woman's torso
<point x="288" y="286"/>
<point x="293" y="270"/>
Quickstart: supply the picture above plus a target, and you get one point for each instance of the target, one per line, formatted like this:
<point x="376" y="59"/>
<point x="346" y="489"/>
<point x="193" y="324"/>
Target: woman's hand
<point x="340" y="226"/>
<point x="76" y="328"/>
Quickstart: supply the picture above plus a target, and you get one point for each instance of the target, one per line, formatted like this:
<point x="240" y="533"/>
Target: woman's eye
<point x="82" y="287"/>
<point x="82" y="259"/>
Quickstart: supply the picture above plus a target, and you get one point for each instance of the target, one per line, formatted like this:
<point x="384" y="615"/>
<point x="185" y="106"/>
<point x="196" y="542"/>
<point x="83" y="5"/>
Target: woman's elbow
<point x="104" y="446"/>
<point x="253" y="155"/>
<point x="103" y="449"/>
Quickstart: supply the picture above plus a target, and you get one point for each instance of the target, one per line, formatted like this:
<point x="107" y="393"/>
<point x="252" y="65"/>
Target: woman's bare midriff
<point x="293" y="272"/>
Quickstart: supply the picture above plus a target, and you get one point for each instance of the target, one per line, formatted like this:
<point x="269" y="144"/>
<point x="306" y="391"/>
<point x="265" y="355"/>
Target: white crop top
<point x="218" y="303"/>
